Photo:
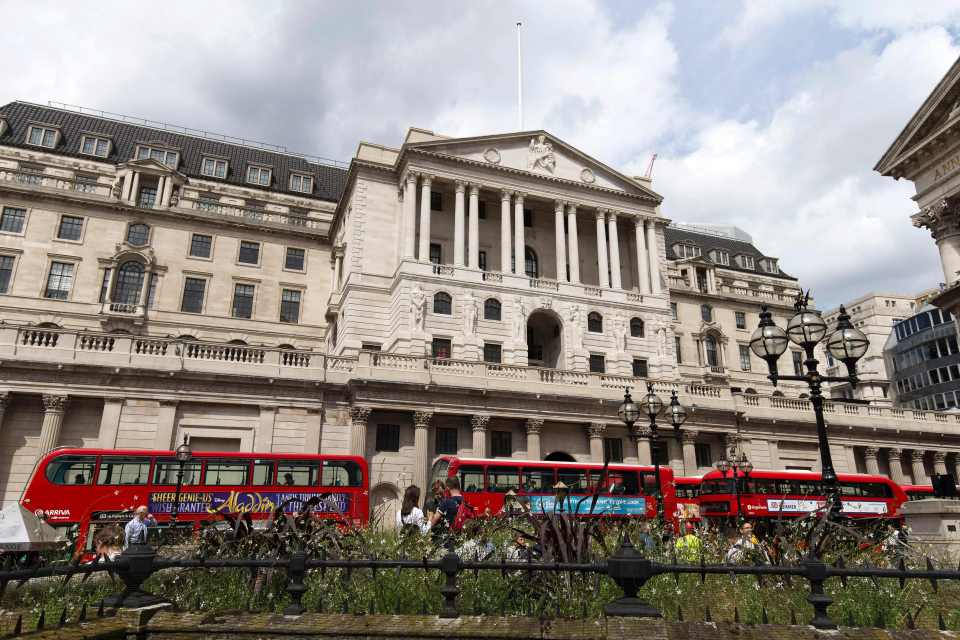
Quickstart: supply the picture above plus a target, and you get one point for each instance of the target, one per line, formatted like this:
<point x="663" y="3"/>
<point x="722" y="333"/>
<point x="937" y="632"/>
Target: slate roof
<point x="329" y="181"/>
<point x="673" y="235"/>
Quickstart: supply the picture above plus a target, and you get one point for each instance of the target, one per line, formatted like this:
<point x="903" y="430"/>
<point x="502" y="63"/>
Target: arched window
<point x="710" y="346"/>
<point x="636" y="327"/>
<point x="491" y="309"/>
<point x="595" y="322"/>
<point x="126" y="290"/>
<point x="777" y="394"/>
<point x="138" y="234"/>
<point x="530" y="263"/>
<point x="706" y="312"/>
<point x="442" y="303"/>
<point x="750" y="391"/>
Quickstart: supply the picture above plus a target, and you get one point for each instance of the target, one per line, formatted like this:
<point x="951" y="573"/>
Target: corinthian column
<point x="458" y="224"/>
<point x="870" y="458"/>
<point x="425" y="182"/>
<point x="421" y="439"/>
<point x="653" y="254"/>
<point x="573" y="243"/>
<point x="896" y="468"/>
<point x="916" y="465"/>
<point x="689" y="439"/>
<point x="518" y="241"/>
<point x="614" y="250"/>
<point x="53" y="410"/>
<point x="534" y="428"/>
<point x="643" y="264"/>
<point x="596" y="431"/>
<point x="479" y="424"/>
<point x="4" y="399"/>
<point x="473" y="237"/>
<point x="358" y="430"/>
<point x="409" y="223"/>
<point x="602" y="251"/>
<point x="560" y="243"/>
<point x="940" y="462"/>
<point x="506" y="242"/>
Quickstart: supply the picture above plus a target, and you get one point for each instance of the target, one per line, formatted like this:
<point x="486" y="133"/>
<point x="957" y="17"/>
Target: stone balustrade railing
<point x="16" y="177"/>
<point x="248" y="214"/>
<point x="124" y="351"/>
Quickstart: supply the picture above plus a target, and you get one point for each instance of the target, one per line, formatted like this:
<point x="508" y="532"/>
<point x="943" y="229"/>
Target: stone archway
<point x="384" y="504"/>
<point x="560" y="456"/>
<point x="545" y="339"/>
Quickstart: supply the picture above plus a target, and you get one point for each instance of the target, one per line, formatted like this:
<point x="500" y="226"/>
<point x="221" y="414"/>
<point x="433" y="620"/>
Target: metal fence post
<point x="296" y="573"/>
<point x="450" y="565"/>
<point x="816" y="573"/>
<point x="135" y="568"/>
<point x="630" y="571"/>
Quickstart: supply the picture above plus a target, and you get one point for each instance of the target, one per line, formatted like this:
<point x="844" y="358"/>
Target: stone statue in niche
<point x="418" y="311"/>
<point x="117" y="188"/>
<point x="620" y="331"/>
<point x="470" y="314"/>
<point x="540" y="154"/>
<point x="519" y="319"/>
<point x="662" y="343"/>
<point x="576" y="328"/>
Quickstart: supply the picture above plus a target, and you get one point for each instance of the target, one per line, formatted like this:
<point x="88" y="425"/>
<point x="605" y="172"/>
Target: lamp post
<point x="184" y="453"/>
<point x="739" y="464"/>
<point x="807" y="329"/>
<point x="652" y="405"/>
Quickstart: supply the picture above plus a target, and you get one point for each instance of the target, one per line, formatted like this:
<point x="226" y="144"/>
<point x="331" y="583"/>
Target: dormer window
<point x="214" y="168"/>
<point x="258" y="175"/>
<point x="745" y="262"/>
<point x="301" y="183"/>
<point x="163" y="156"/>
<point x="721" y="256"/>
<point x="95" y="146"/>
<point x="684" y="250"/>
<point x="769" y="265"/>
<point x="42" y="136"/>
<point x="3" y="126"/>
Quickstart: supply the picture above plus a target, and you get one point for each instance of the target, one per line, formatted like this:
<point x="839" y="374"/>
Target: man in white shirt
<point x="136" y="530"/>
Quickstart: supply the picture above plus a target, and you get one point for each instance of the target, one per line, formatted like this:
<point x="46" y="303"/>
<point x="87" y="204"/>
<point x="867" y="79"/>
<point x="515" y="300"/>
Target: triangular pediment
<point x="939" y="112"/>
<point x="537" y="153"/>
<point x="151" y="165"/>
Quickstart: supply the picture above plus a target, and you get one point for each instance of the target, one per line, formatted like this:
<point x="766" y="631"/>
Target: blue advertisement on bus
<point x="605" y="505"/>
<point x="213" y="502"/>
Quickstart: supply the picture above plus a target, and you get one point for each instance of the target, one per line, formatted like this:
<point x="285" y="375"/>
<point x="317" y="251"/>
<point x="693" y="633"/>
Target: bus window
<point x="226" y="473"/>
<point x="471" y="479"/>
<point x="576" y="480"/>
<point x="503" y="479"/>
<point x="866" y="490"/>
<point x="538" y="480"/>
<point x="440" y="470"/>
<point x="625" y="483"/>
<point x="71" y="469"/>
<point x="298" y="474"/>
<point x="649" y="480"/>
<point x="117" y="470"/>
<point x="341" y="473"/>
<point x="165" y="472"/>
<point x="262" y="473"/>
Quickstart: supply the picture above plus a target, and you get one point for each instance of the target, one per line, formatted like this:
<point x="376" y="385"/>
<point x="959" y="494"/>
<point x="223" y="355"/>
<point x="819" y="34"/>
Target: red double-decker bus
<point x="91" y="486"/>
<point x="790" y="494"/>
<point x="687" y="490"/>
<point x="624" y="491"/>
<point x="918" y="491"/>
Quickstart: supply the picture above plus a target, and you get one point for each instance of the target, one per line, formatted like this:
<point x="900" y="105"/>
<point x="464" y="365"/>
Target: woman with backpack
<point x="410" y="518"/>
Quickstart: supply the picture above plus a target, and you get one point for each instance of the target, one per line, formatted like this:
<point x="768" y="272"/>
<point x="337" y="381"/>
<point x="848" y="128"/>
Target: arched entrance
<point x="560" y="456"/>
<point x="544" y="340"/>
<point x="384" y="504"/>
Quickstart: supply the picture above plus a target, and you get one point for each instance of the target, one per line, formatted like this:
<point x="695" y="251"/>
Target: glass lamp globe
<point x="806" y="328"/>
<point x="768" y="340"/>
<point x="723" y="466"/>
<point x="676" y="411"/>
<point x="746" y="466"/>
<point x="184" y="452"/>
<point x="628" y="411"/>
<point x="847" y="344"/>
<point x="651" y="403"/>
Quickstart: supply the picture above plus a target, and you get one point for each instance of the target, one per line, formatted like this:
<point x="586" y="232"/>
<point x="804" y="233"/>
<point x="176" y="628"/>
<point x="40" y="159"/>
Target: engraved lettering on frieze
<point x="540" y="154"/>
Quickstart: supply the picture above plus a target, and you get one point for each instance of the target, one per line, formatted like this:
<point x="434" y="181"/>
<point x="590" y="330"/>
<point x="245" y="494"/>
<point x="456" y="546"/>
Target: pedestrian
<point x="136" y="530"/>
<point x="410" y="518"/>
<point x="107" y="543"/>
<point x="448" y="507"/>
<point x="645" y="538"/>
<point x="688" y="546"/>
<point x="746" y="547"/>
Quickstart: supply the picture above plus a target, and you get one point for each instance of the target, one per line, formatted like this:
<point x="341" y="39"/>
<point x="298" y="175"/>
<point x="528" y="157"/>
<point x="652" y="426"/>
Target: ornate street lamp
<point x="184" y="454"/>
<point x="652" y="406"/>
<point x="739" y="464"/>
<point x="807" y="329"/>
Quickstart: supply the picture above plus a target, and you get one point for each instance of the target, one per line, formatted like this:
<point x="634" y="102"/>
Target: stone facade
<point x="488" y="296"/>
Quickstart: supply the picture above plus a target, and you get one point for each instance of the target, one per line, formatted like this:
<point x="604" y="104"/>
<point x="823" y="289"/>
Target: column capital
<point x="359" y="415"/>
<point x="534" y="426"/>
<point x="596" y="430"/>
<point x="411" y="177"/>
<point x="474" y="188"/>
<point x="559" y="206"/>
<point x="600" y="214"/>
<point x="461" y="186"/>
<point x="505" y="195"/>
<point x="571" y="208"/>
<point x="4" y="399"/>
<point x="940" y="457"/>
<point x="688" y="437"/>
<point x="479" y="421"/>
<point x="426" y="179"/>
<point x="916" y="455"/>
<point x="421" y="419"/>
<point x="518" y="196"/>
<point x="894" y="454"/>
<point x="870" y="452"/>
<point x="54" y="403"/>
<point x="611" y="215"/>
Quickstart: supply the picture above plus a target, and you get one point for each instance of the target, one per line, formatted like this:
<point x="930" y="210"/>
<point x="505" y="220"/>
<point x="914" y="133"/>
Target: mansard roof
<point x="678" y="235"/>
<point x="328" y="180"/>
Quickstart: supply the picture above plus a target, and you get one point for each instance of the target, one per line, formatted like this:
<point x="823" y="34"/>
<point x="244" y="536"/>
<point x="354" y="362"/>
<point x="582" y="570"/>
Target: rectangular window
<point x="797" y="363"/>
<point x="201" y="246"/>
<point x="115" y="470"/>
<point x="492" y="353"/>
<point x="193" y="292"/>
<point x="6" y="273"/>
<point x="12" y="219"/>
<point x="440" y="347"/>
<point x="71" y="228"/>
<point x="262" y="473"/>
<point x="934" y="376"/>
<point x="259" y="176"/>
<point x="673" y="311"/>
<point x="296" y="258"/>
<point x="746" y="262"/>
<point x="388" y="437"/>
<point x="482" y="261"/>
<point x="105" y="284"/>
<point x="723" y="257"/>
<point x="301" y="183"/>
<point x="676" y="345"/>
<point x="169" y="158"/>
<point x="744" y="357"/>
<point x="501" y="444"/>
<point x="639" y="368"/>
<point x="85" y="184"/>
<point x="436" y="201"/>
<point x="152" y="291"/>
<point x="741" y="318"/>
<point x="94" y="146"/>
<point x="503" y="479"/>
<point x="298" y="474"/>
<point x="446" y="441"/>
<point x="704" y="456"/>
<point x="59" y="281"/>
<point x="527" y="217"/>
<point x="613" y="449"/>
<point x="214" y="168"/>
<point x="243" y="301"/>
<point x="249" y="252"/>
<point x="482" y="210"/>
<point x="597" y="363"/>
<point x="436" y="253"/>
<point x="42" y="137"/>
<point x="226" y="473"/>
<point x="290" y="306"/>
<point x="147" y="198"/>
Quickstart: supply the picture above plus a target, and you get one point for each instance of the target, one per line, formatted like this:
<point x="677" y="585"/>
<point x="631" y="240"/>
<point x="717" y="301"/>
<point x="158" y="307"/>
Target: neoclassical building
<point x="485" y="296"/>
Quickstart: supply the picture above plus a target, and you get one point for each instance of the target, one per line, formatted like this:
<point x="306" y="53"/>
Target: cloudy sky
<point x="768" y="115"/>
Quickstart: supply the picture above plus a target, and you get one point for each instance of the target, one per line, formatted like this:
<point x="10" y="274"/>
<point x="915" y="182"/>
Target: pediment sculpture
<point x="540" y="155"/>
